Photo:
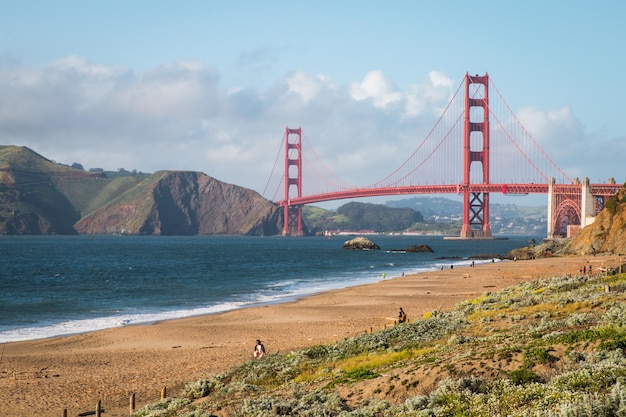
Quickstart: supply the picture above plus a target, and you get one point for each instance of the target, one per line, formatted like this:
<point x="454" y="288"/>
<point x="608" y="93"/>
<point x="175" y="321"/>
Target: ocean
<point x="60" y="285"/>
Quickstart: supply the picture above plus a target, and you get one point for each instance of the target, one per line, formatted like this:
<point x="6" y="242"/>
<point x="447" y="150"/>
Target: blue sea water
<point x="58" y="285"/>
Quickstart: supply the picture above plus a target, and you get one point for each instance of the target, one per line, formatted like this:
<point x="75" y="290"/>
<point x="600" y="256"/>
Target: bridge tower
<point x="292" y="215"/>
<point x="476" y="150"/>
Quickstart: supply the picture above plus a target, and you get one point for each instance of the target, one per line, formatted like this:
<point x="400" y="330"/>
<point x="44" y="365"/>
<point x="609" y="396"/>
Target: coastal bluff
<point x="41" y="197"/>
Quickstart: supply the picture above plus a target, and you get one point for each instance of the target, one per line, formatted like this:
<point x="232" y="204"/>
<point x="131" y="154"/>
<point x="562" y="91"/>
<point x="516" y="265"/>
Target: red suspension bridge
<point x="476" y="148"/>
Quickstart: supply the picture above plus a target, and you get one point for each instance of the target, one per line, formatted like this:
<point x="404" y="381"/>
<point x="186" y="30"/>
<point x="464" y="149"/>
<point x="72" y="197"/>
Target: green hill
<point x="29" y="201"/>
<point x="361" y="216"/>
<point x="39" y="196"/>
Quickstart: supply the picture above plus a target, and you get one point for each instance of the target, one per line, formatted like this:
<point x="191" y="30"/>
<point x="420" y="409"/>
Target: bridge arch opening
<point x="567" y="214"/>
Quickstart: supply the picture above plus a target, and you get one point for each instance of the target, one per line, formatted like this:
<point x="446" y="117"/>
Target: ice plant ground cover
<point x="550" y="347"/>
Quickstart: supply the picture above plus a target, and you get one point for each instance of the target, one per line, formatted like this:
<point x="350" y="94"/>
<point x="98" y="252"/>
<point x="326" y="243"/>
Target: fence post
<point x="164" y="393"/>
<point x="132" y="403"/>
<point x="98" y="409"/>
<point x="64" y="412"/>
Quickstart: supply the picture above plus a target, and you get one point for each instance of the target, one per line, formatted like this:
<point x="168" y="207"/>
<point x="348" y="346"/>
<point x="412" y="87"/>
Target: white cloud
<point x="431" y="95"/>
<point x="439" y="79"/>
<point x="177" y="116"/>
<point x="377" y="87"/>
<point x="576" y="151"/>
<point x="307" y="86"/>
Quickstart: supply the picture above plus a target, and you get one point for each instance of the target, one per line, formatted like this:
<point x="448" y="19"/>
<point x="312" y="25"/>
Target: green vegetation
<point x="20" y="158"/>
<point x="551" y="347"/>
<point x="40" y="196"/>
<point x="361" y="216"/>
<point x="87" y="195"/>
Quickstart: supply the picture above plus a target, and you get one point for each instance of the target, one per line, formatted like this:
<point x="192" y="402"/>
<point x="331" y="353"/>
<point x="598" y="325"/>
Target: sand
<point x="45" y="377"/>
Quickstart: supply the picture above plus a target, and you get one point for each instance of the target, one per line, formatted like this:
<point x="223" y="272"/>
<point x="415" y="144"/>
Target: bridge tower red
<point x="292" y="215"/>
<point x="476" y="149"/>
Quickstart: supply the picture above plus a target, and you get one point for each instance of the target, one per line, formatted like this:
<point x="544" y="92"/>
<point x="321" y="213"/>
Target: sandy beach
<point x="44" y="377"/>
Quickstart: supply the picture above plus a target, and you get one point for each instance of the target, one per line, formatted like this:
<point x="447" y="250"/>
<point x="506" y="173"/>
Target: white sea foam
<point x="87" y="325"/>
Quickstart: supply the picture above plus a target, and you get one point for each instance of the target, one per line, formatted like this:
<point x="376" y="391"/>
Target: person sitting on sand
<point x="259" y="350"/>
<point x="401" y="316"/>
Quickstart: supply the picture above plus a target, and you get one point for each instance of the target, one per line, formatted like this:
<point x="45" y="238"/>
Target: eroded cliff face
<point x="35" y="208"/>
<point x="39" y="196"/>
<point x="607" y="234"/>
<point x="185" y="203"/>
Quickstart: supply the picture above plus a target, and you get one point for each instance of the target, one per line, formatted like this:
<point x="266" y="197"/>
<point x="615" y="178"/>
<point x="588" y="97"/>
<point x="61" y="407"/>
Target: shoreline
<point x="116" y="322"/>
<point x="45" y="376"/>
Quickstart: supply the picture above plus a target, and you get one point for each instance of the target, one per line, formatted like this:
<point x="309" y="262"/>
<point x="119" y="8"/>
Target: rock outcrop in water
<point x="360" y="243"/>
<point x="418" y="248"/>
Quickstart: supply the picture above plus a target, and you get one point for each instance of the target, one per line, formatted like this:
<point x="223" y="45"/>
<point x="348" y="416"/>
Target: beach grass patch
<point x="609" y="337"/>
<point x="352" y="376"/>
<point x="539" y="355"/>
<point x="356" y="364"/>
<point x="377" y="360"/>
<point x="523" y="376"/>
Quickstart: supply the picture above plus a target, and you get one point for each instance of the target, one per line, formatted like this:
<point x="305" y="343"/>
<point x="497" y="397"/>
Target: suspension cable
<point x="273" y="168"/>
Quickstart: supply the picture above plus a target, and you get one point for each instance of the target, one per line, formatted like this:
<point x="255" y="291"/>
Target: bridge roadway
<point x="513" y="189"/>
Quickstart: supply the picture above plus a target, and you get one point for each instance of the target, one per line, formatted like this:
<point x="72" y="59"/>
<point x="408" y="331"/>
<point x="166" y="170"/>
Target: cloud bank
<point x="179" y="116"/>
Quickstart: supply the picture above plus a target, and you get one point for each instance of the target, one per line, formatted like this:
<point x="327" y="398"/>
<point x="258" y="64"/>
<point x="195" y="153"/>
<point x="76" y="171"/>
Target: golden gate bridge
<point x="476" y="148"/>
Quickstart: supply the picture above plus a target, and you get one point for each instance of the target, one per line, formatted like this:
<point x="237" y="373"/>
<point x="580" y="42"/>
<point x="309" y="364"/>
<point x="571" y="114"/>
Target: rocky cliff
<point x="29" y="202"/>
<point x="607" y="234"/>
<point x="39" y="196"/>
<point x="184" y="203"/>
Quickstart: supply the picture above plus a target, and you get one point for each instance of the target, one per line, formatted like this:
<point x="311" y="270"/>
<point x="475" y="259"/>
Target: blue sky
<point x="211" y="85"/>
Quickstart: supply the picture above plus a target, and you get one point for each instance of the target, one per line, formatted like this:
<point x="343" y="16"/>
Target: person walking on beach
<point x="259" y="350"/>
<point x="401" y="316"/>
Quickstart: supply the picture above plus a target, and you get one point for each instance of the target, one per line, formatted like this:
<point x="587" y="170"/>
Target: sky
<point x="211" y="86"/>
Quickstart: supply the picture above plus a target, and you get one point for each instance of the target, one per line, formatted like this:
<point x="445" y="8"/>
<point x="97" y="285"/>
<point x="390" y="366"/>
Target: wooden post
<point x="65" y="413"/>
<point x="164" y="393"/>
<point x="98" y="409"/>
<point x="132" y="403"/>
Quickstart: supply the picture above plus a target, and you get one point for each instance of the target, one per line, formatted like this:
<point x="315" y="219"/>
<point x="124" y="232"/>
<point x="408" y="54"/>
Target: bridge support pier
<point x="475" y="211"/>
<point x="587" y="205"/>
<point x="476" y="151"/>
<point x="292" y="214"/>
<point x="550" y="222"/>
